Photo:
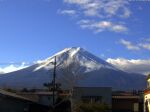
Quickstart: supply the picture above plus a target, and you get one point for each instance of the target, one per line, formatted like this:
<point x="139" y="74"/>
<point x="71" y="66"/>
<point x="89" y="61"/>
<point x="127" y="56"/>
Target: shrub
<point x="91" y="107"/>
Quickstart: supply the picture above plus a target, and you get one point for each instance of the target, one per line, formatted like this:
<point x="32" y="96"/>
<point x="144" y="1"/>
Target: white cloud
<point x="113" y="7"/>
<point x="127" y="13"/>
<point x="132" y="66"/>
<point x="67" y="12"/>
<point x="99" y="13"/>
<point x="129" y="45"/>
<point x="119" y="28"/>
<point x="39" y="61"/>
<point x="145" y="45"/>
<point x="79" y="2"/>
<point x="12" y="67"/>
<point x="91" y="12"/>
<point x="102" y="7"/>
<point x="102" y="26"/>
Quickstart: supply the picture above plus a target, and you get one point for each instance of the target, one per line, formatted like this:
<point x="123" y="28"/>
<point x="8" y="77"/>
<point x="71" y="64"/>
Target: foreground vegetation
<point x="91" y="107"/>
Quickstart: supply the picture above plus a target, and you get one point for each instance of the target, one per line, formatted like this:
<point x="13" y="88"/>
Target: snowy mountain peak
<point x="76" y="55"/>
<point x="71" y="50"/>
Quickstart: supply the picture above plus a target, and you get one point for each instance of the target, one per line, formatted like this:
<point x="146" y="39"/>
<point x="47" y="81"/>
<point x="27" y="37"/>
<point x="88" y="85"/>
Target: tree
<point x="24" y="90"/>
<point x="91" y="107"/>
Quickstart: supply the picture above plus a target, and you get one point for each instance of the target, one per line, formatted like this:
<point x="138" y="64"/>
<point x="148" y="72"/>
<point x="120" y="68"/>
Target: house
<point x="127" y="102"/>
<point x="92" y="94"/>
<point x="61" y="101"/>
<point x="10" y="102"/>
<point x="147" y="96"/>
<point x="65" y="100"/>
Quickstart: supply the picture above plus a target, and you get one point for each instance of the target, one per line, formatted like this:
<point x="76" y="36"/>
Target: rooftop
<point x="126" y="97"/>
<point x="9" y="94"/>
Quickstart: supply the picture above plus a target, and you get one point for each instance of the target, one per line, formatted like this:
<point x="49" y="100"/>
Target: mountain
<point x="75" y="67"/>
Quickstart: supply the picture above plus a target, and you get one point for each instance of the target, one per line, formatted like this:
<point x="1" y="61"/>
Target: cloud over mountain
<point x="131" y="65"/>
<point x="12" y="67"/>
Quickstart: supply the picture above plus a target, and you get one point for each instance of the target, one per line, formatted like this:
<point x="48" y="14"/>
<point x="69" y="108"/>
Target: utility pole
<point x="54" y="80"/>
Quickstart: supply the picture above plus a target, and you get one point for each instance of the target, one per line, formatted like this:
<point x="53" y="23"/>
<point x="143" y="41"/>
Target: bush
<point x="10" y="90"/>
<point x="91" y="107"/>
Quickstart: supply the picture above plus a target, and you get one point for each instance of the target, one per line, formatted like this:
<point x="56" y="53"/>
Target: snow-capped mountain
<point x="75" y="67"/>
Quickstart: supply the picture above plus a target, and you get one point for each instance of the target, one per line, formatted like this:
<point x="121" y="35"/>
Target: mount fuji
<point x="75" y="67"/>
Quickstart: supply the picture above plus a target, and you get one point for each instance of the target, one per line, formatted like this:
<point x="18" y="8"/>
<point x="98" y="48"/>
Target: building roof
<point x="126" y="97"/>
<point x="9" y="94"/>
<point x="44" y="93"/>
<point x="93" y="87"/>
<point x="36" y="93"/>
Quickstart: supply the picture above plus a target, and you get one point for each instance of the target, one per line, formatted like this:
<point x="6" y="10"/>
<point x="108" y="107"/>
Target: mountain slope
<point x="75" y="67"/>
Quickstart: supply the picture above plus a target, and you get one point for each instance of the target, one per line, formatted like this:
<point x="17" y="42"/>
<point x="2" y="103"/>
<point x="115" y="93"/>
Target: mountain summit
<point x="86" y="60"/>
<point x="75" y="67"/>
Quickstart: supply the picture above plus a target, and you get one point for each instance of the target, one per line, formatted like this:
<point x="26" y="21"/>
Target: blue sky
<point x="116" y="31"/>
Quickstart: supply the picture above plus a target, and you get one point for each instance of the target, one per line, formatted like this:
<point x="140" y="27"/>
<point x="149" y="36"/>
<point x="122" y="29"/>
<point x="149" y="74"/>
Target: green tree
<point x="91" y="107"/>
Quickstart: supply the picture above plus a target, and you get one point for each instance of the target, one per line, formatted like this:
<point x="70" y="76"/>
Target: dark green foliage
<point x="11" y="90"/>
<point x="24" y="90"/>
<point x="50" y="87"/>
<point x="92" y="107"/>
